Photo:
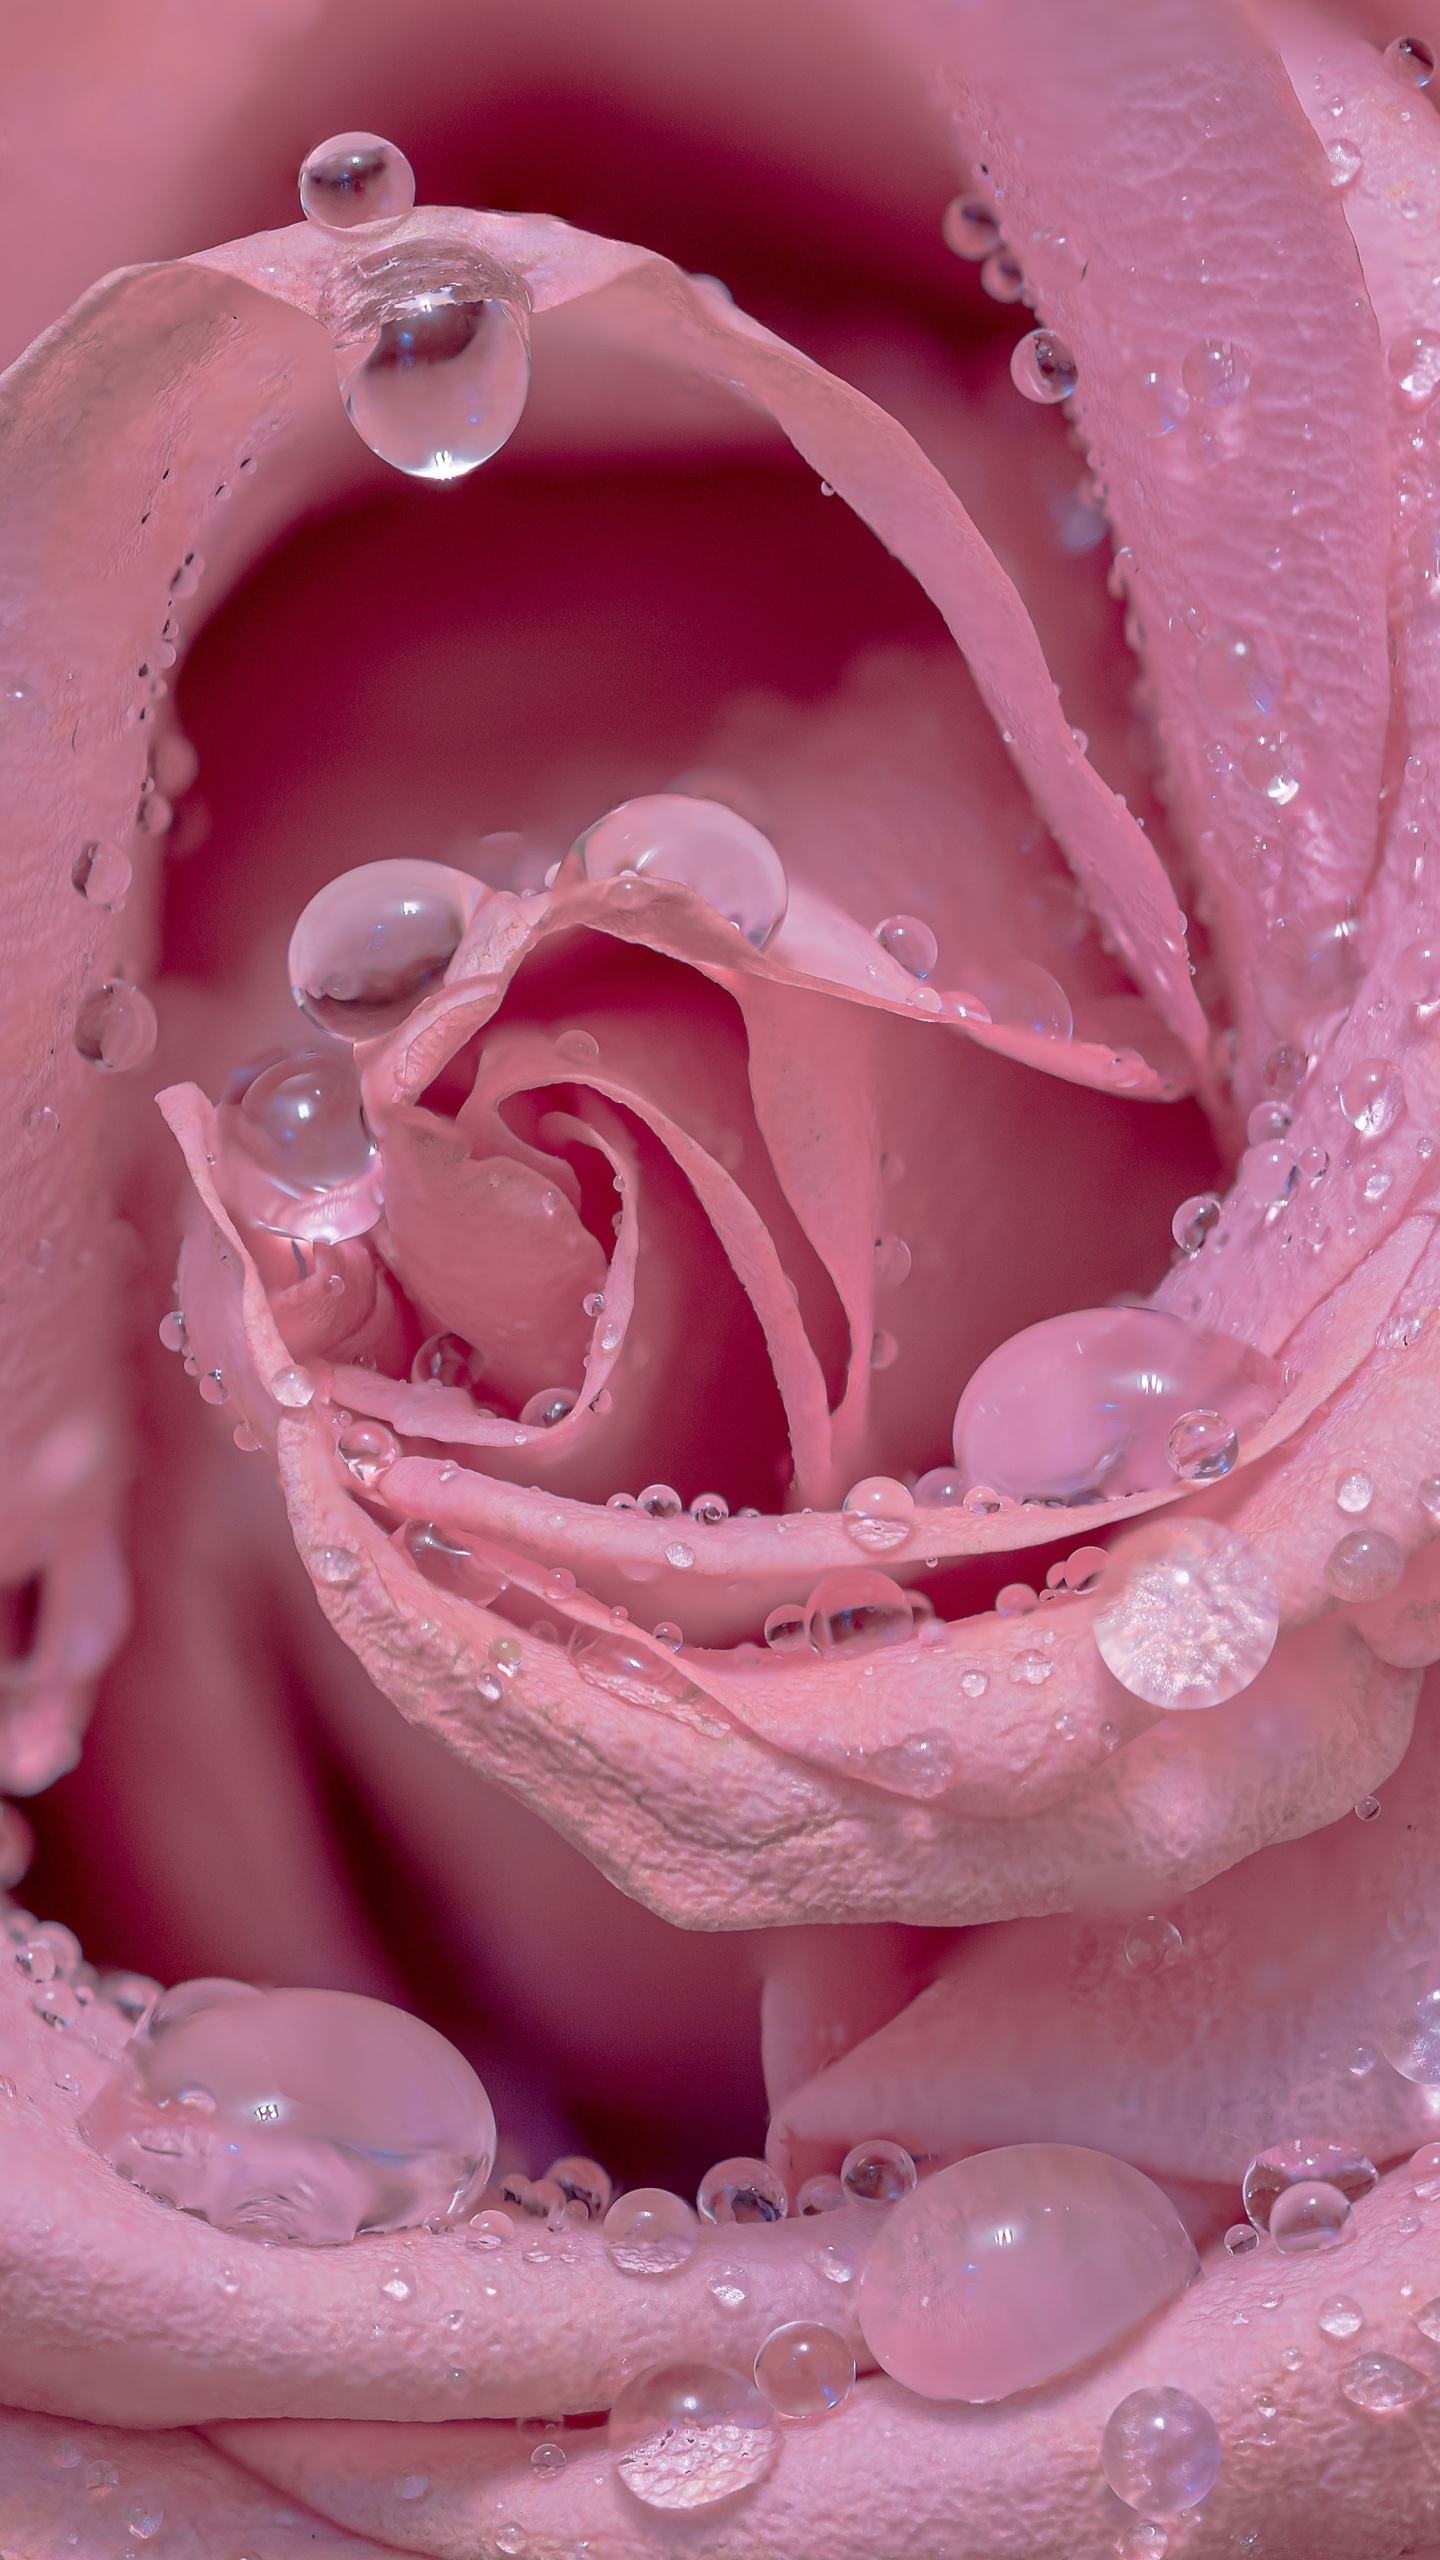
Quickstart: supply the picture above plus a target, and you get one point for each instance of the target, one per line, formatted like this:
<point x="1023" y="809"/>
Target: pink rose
<point x="830" y="974"/>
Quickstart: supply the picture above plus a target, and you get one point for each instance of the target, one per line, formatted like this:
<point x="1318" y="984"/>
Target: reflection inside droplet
<point x="701" y="845"/>
<point x="372" y="943"/>
<point x="443" y="386"/>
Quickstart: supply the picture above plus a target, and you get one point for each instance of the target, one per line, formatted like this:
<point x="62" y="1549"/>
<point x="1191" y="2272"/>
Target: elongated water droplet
<point x="702" y="846"/>
<point x="1412" y="60"/>
<point x="1043" y="368"/>
<point x="374" y="942"/>
<point x="1382" y="2384"/>
<point x="444" y="384"/>
<point x="355" y="178"/>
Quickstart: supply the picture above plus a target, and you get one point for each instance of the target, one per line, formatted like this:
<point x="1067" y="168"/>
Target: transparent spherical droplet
<point x="804" y="2370"/>
<point x="336" y="1567"/>
<point x="115" y="1026"/>
<point x="1229" y="677"/>
<point x="547" y="1406"/>
<point x="893" y="1261"/>
<point x="1372" y="1096"/>
<point x="1302" y="2163"/>
<point x="710" y="1509"/>
<point x="331" y="2114"/>
<point x="297" y="1155"/>
<point x="650" y="2232"/>
<point x="1201" y="1446"/>
<point x="1425" y="2172"/>
<point x="940" y="1489"/>
<point x="447" y="1360"/>
<point x="687" y="2436"/>
<point x="878" y="2172"/>
<point x="970" y="226"/>
<point x="1272" y="761"/>
<point x="1241" y="2238"/>
<point x="701" y="845"/>
<point x="1340" y="2317"/>
<point x="582" y="2181"/>
<point x="374" y="942"/>
<point x="1363" y="1565"/>
<point x="355" y="178"/>
<point x="1160" y="2452"/>
<point x="294" y="1388"/>
<point x="1414" y="361"/>
<point x="1010" y="2267"/>
<point x="660" y="1502"/>
<point x="1043" y="368"/>
<point x="1154" y="398"/>
<point x="1310" y="2217"/>
<point x="786" y="1630"/>
<point x="368" y="1449"/>
<point x="909" y="941"/>
<point x="1412" y="60"/>
<point x="1354" y="1491"/>
<point x="857" y="1608"/>
<point x="1367" y="1809"/>
<point x="1382" y="2385"/>
<point x="742" y="2190"/>
<point x="1194" y="1615"/>
<point x="102" y="874"/>
<point x="1195" y="1219"/>
<point x="1408" y="2031"/>
<point x="884" y="1350"/>
<point x="1151" y="1943"/>
<point x="1003" y="276"/>
<point x="443" y="386"/>
<point x="1018" y="995"/>
<point x="1216" y="372"/>
<point x="1083" y="1405"/>
<point x="879" y="1513"/>
<point x="821" y="2194"/>
<point x="1268" y="1122"/>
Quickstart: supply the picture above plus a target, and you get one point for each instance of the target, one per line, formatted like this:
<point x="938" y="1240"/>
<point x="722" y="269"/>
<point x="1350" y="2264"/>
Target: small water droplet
<point x="878" y="2172"/>
<point x="1003" y="277"/>
<point x="547" y="2460"/>
<point x="700" y="845"/>
<point x="41" y="1123"/>
<point x="884" y="1350"/>
<point x="1309" y="2217"/>
<point x="102" y="874"/>
<point x="742" y="2190"/>
<point x="1345" y="162"/>
<point x="1340" y="2317"/>
<point x="855" y="1609"/>
<point x="1412" y="60"/>
<point x="878" y="1513"/>
<point x="355" y="178"/>
<point x="1195" y="1219"/>
<point x="115" y="1026"/>
<point x="368" y="1449"/>
<point x="1382" y="2384"/>
<point x="1355" y="1491"/>
<point x="1241" y="2238"/>
<point x="1160" y="2452"/>
<point x="294" y="1388"/>
<point x="1363" y="1565"/>
<point x="650" y="2232"/>
<point x="910" y="942"/>
<point x="1216" y="373"/>
<point x="1151" y="1943"/>
<point x="547" y="1406"/>
<point x="1043" y="368"/>
<point x="970" y="227"/>
<point x="1202" y="1446"/>
<point x="1372" y="1096"/>
<point x="1367" y="1808"/>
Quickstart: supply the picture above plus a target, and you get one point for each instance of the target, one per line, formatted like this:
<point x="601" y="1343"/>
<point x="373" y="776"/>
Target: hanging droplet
<point x="1021" y="996"/>
<point x="1161" y="2452"/>
<point x="372" y="944"/>
<point x="879" y="1513"/>
<point x="368" y="1449"/>
<point x="804" y="2370"/>
<point x="1300" y="2163"/>
<point x="1382" y="2384"/>
<point x="355" y="178"/>
<point x="1372" y="1096"/>
<point x="685" y="2436"/>
<point x="448" y="1360"/>
<point x="1201" y="1446"/>
<point x="910" y="942"/>
<point x="1412" y="60"/>
<point x="1003" y="276"/>
<point x="878" y="2172"/>
<point x="1082" y="1405"/>
<point x="1195" y="1219"/>
<point x="547" y="1406"/>
<point x="102" y="874"/>
<point x="650" y="2232"/>
<point x="1014" y="2265"/>
<point x="1228" y="675"/>
<point x="1310" y="2217"/>
<point x="857" y="1608"/>
<point x="742" y="2191"/>
<point x="1043" y="368"/>
<point x="1363" y="1565"/>
<point x="970" y="226"/>
<point x="297" y="1155"/>
<point x="442" y="386"/>
<point x="1193" y="1618"/>
<point x="699" y="844"/>
<point x="329" y="2114"/>
<point x="1408" y="2032"/>
<point x="115" y="1026"/>
<point x="1216" y="373"/>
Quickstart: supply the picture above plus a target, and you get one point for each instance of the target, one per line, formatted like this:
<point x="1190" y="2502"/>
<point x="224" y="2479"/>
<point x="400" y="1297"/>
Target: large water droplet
<point x="804" y="2370"/>
<point x="444" y="384"/>
<point x="374" y="942"/>
<point x="1229" y="677"/>
<point x="1412" y="60"/>
<point x="1161" y="2452"/>
<point x="877" y="2171"/>
<point x="355" y="178"/>
<point x="686" y="2436"/>
<point x="1363" y="1565"/>
<point x="879" y="1513"/>
<point x="650" y="2232"/>
<point x="1382" y="2385"/>
<point x="1309" y="2218"/>
<point x="1014" y="2265"/>
<point x="115" y="1026"/>
<point x="1193" y="1617"/>
<point x="1043" y="368"/>
<point x="701" y="845"/>
<point x="1414" y="361"/>
<point x="1408" y="2032"/>
<point x="742" y="2191"/>
<point x="297" y="1154"/>
<point x="306" y="2116"/>
<point x="1340" y="2317"/>
<point x="1083" y="1405"/>
<point x="911" y="942"/>
<point x="857" y="1608"/>
<point x="1300" y="2163"/>
<point x="970" y="226"/>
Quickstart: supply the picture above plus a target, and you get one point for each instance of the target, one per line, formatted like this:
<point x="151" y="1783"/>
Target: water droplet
<point x="397" y="2286"/>
<point x="1084" y="1404"/>
<point x="1272" y="762"/>
<point x="786" y="1630"/>
<point x="1303" y="2163"/>
<point x="1194" y="1617"/>
<point x="1340" y="2317"/>
<point x="1241" y="2238"/>
<point x="447" y="1360"/>
<point x="355" y="178"/>
<point x="1194" y="1220"/>
<point x="884" y="1350"/>
<point x="441" y="384"/>
<point x="1014" y="2265"/>
<point x="679" y="1555"/>
<point x="878" y="2172"/>
<point x="1160" y="2452"/>
<point x="742" y="2191"/>
<point x="1267" y="1122"/>
<point x="1425" y="2172"/>
<point x="115" y="1026"/>
<point x="1043" y="368"/>
<point x="1372" y="1096"/>
<point x="372" y="944"/>
<point x="650" y="2232"/>
<point x="941" y="1489"/>
<point x="1154" y="399"/>
<point x="333" y="2114"/>
<point x="1310" y="2217"/>
<point x="547" y="1406"/>
<point x="1382" y="2384"/>
<point x="909" y="941"/>
<point x="511" y="2539"/>
<point x="1003" y="276"/>
<point x="970" y="226"/>
<point x="1229" y="677"/>
<point x="710" y="1509"/>
<point x="856" y="1607"/>
<point x="804" y="2370"/>
<point x="660" y="1501"/>
<point x="1216" y="373"/>
<point x="1414" y="361"/>
<point x="102" y="874"/>
<point x="699" y="844"/>
<point x="1366" y="1810"/>
<point x="1201" y="1446"/>
<point x="412" y="2485"/>
<point x="41" y="1122"/>
<point x="1412" y="60"/>
<point x="449" y="1565"/>
<point x="294" y="1388"/>
<point x="974" y="1682"/>
<point x="1151" y="1943"/>
<point x="1029" y="1670"/>
<point x="145" y="2522"/>
<point x="368" y="1449"/>
<point x="821" y="2194"/>
<point x="1355" y="1491"/>
<point x="548" y="2460"/>
<point x="297" y="1156"/>
<point x="1363" y="1565"/>
<point x="1408" y="2033"/>
<point x="582" y="2181"/>
<point x="687" y="2435"/>
<point x="1021" y="996"/>
<point x="879" y="1513"/>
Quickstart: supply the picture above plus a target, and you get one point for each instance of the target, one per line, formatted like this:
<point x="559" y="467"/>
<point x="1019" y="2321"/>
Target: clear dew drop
<point x="650" y="2232"/>
<point x="1372" y="1096"/>
<point x="1354" y="1491"/>
<point x="547" y="1406"/>
<point x="1310" y="2217"/>
<point x="970" y="226"/>
<point x="582" y="2181"/>
<point x="1340" y="2317"/>
<point x="821" y="2194"/>
<point x="1160" y="2452"/>
<point x="1382" y="2385"/>
<point x="1344" y="160"/>
<point x="102" y="874"/>
<point x="877" y="2172"/>
<point x="1408" y="2029"/>
<point x="1425" y="2172"/>
<point x="1414" y="362"/>
<point x="1367" y="1809"/>
<point x="335" y="1567"/>
<point x="804" y="2370"/>
<point x="329" y="2114"/>
<point x="1363" y="1565"/>
<point x="372" y="944"/>
<point x="1241" y="2239"/>
<point x="940" y="1489"/>
<point x="1151" y="1943"/>
<point x="686" y="2436"/>
<point x="1216" y="373"/>
<point x="296" y="1154"/>
<point x="699" y="845"/>
<point x="293" y="1388"/>
<point x="855" y="1609"/>
<point x="1201" y="1446"/>
<point x="115" y="1026"/>
<point x="1303" y="2162"/>
<point x="355" y="178"/>
<point x="448" y="1360"/>
<point x="1043" y="369"/>
<point x="742" y="2190"/>
<point x="443" y="385"/>
<point x="1412" y="60"/>
<point x="1003" y="276"/>
<point x="1194" y="1616"/>
<point x="1229" y="677"/>
<point x="1154" y="399"/>
<point x="1195" y="1219"/>
<point x="368" y="1449"/>
<point x="878" y="1513"/>
<point x="909" y="941"/>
